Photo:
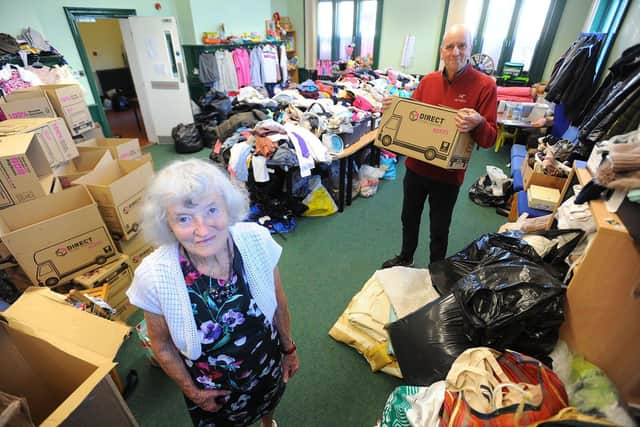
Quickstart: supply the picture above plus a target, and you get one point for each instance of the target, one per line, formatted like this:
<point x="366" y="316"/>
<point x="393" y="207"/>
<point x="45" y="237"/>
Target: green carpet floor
<point x="324" y="263"/>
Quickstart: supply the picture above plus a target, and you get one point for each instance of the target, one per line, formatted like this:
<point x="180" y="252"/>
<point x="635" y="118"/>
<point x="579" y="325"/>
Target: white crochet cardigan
<point x="159" y="287"/>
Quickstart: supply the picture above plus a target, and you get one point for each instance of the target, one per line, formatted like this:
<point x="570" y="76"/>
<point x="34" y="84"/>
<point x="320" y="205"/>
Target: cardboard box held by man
<point x="424" y="132"/>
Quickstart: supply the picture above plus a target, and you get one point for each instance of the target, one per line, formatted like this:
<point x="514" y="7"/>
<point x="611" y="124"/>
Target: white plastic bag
<point x="369" y="179"/>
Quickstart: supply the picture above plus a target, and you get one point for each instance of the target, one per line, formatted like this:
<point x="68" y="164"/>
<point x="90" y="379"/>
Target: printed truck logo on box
<point x="425" y="132"/>
<point x="54" y="264"/>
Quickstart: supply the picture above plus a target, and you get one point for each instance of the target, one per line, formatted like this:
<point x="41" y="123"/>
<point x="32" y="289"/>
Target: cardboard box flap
<point x="94" y="158"/>
<point x="26" y="93"/>
<point x="14" y="145"/>
<point x="121" y="148"/>
<point x="63" y="412"/>
<point x="9" y="127"/>
<point x="113" y="184"/>
<point x="43" y="208"/>
<point x="47" y="313"/>
<point x="55" y="379"/>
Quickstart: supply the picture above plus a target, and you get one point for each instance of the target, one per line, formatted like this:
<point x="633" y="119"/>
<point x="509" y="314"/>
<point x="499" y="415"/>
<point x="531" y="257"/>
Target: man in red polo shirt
<point x="473" y="94"/>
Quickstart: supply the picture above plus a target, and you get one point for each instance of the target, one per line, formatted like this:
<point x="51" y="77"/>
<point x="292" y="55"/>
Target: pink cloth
<point x="14" y="83"/>
<point x="243" y="67"/>
<point x="514" y="93"/>
<point x="363" y="104"/>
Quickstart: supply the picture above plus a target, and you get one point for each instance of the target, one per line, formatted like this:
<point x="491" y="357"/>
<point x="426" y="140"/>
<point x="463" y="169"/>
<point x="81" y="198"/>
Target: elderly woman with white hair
<point x="212" y="297"/>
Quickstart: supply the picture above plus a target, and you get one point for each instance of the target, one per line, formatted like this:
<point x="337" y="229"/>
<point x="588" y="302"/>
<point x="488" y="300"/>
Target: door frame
<point x="75" y="13"/>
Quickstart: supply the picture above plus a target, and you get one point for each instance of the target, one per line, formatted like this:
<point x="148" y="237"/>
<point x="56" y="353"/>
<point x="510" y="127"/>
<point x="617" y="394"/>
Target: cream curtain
<point x="310" y="34"/>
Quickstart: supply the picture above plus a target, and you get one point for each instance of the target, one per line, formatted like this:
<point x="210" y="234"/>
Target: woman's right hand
<point x="210" y="400"/>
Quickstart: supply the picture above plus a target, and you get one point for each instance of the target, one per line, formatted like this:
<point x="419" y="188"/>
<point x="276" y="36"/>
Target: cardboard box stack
<point x="60" y="359"/>
<point x="425" y="132"/>
<point x="52" y="135"/>
<point x="66" y="100"/>
<point x="118" y="188"/>
<point x="94" y="132"/>
<point x="58" y="237"/>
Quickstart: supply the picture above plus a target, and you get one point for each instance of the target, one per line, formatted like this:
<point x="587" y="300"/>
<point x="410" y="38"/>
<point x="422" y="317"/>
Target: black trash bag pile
<point x="494" y="248"/>
<point x="488" y="249"/>
<point x="515" y="304"/>
<point x="481" y="194"/>
<point x="206" y="124"/>
<point x="497" y="292"/>
<point x="186" y="138"/>
<point x="427" y="341"/>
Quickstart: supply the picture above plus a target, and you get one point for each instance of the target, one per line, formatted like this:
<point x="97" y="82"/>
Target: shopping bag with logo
<point x="486" y="388"/>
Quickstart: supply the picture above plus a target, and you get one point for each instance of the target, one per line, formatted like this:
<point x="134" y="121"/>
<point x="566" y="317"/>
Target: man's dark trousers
<point x="442" y="198"/>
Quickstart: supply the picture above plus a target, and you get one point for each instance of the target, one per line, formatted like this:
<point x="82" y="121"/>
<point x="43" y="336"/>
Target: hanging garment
<point x="228" y="78"/>
<point x="242" y="66"/>
<point x="270" y="62"/>
<point x="208" y="68"/>
<point x="284" y="63"/>
<point x="573" y="75"/>
<point x="257" y="67"/>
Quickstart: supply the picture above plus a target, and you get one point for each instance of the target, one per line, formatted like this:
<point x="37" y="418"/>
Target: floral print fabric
<point x="240" y="348"/>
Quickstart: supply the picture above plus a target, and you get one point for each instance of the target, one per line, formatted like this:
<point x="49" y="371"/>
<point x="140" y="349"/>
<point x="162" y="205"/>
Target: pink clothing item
<point x="362" y="103"/>
<point x="517" y="94"/>
<point x="243" y="68"/>
<point x="14" y="83"/>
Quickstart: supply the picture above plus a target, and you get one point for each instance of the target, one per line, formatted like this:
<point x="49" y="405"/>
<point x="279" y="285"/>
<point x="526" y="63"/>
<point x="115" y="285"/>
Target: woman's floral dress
<point x="240" y="348"/>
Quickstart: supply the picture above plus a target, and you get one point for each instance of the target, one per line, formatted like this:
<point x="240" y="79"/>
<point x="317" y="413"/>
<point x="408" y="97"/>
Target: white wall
<point x="421" y="19"/>
<point x="238" y="16"/>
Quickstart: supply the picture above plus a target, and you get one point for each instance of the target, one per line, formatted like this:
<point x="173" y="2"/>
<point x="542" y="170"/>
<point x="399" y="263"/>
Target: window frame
<point x="356" y="36"/>
<point x="602" y="13"/>
<point x="543" y="46"/>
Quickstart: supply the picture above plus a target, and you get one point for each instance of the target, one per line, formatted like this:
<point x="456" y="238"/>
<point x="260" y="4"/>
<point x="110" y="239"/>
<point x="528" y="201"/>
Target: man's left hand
<point x="467" y="119"/>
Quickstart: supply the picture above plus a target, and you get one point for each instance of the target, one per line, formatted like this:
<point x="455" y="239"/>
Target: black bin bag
<point x="515" y="305"/>
<point x="427" y="341"/>
<point x="554" y="262"/>
<point x="488" y="249"/>
<point x="186" y="138"/>
<point x="480" y="193"/>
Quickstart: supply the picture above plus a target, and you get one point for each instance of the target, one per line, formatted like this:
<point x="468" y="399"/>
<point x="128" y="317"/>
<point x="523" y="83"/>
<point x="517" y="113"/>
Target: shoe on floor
<point x="397" y="261"/>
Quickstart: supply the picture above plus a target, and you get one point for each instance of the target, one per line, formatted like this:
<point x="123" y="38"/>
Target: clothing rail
<point x="212" y="48"/>
<point x="192" y="54"/>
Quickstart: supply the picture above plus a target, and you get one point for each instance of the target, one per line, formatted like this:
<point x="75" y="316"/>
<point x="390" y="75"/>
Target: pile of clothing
<point x="255" y="136"/>
<point x="553" y="156"/>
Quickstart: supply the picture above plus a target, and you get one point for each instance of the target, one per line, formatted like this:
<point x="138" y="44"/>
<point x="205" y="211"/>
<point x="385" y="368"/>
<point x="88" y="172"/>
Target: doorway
<point x="101" y="47"/>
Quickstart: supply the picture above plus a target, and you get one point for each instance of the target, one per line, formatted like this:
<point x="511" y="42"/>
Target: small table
<point x="504" y="134"/>
<point x="346" y="166"/>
